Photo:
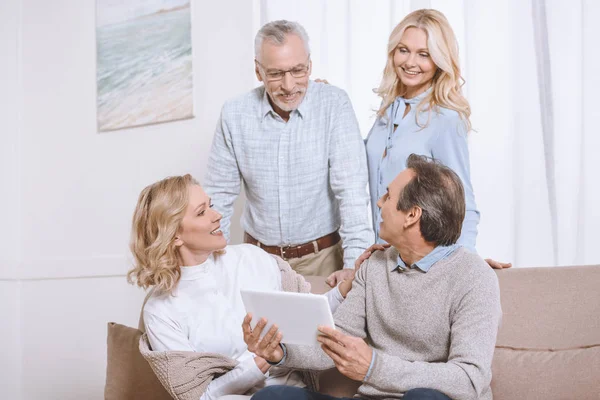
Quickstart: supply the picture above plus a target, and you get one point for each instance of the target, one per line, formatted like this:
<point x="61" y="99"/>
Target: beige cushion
<point x="548" y="345"/>
<point x="537" y="374"/>
<point x="128" y="375"/>
<point x="550" y="308"/>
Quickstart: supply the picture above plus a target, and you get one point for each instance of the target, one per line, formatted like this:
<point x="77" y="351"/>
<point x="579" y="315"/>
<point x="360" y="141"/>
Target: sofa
<point x="548" y="345"/>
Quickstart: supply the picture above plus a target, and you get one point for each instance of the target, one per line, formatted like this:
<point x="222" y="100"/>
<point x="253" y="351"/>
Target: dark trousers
<point x="296" y="393"/>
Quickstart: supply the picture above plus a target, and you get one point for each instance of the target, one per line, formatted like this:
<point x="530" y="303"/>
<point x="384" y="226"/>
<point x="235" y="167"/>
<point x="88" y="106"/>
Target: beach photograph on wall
<point x="144" y="62"/>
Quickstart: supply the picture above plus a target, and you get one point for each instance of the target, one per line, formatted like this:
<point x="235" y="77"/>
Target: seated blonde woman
<point x="196" y="306"/>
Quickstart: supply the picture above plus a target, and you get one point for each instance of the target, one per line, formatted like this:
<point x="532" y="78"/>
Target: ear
<point x="178" y="242"/>
<point x="257" y="71"/>
<point x="309" y="67"/>
<point x="413" y="217"/>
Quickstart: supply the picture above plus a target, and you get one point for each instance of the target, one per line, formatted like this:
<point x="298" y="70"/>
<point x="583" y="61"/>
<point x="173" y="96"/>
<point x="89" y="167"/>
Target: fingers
<point x="378" y="246"/>
<point x="332" y="333"/>
<point x="361" y="259"/>
<point x="275" y="343"/>
<point x="257" y="331"/>
<point x="496" y="264"/>
<point x="368" y="252"/>
<point x="333" y="345"/>
<point x="333" y="355"/>
<point x="266" y="340"/>
<point x="269" y="344"/>
<point x="246" y="322"/>
<point x="246" y="328"/>
<point x="332" y="279"/>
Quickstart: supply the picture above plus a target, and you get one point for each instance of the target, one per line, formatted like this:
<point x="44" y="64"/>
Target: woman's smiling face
<point x="200" y="231"/>
<point x="413" y="63"/>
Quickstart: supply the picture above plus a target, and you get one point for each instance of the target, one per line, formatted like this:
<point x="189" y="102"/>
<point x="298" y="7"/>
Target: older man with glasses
<point x="296" y="146"/>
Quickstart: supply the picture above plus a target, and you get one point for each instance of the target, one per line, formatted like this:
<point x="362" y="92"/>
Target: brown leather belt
<point x="297" y="251"/>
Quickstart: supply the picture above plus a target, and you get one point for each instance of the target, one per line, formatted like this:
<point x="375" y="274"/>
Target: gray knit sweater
<point x="433" y="330"/>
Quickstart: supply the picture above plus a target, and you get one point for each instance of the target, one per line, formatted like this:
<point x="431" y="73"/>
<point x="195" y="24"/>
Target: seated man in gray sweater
<point x="421" y="319"/>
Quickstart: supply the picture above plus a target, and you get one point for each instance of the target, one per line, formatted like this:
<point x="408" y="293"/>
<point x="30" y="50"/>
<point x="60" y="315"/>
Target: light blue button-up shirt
<point x="304" y="178"/>
<point x="444" y="139"/>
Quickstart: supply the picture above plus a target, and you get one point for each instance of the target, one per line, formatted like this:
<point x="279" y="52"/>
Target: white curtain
<point x="531" y="69"/>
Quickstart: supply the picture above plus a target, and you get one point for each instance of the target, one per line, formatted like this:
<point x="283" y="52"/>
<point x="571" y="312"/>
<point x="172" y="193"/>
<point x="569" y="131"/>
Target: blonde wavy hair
<point x="447" y="81"/>
<point x="156" y="222"/>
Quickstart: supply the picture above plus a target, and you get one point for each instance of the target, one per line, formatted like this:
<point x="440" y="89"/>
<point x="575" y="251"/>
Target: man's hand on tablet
<point x="351" y="355"/>
<point x="269" y="346"/>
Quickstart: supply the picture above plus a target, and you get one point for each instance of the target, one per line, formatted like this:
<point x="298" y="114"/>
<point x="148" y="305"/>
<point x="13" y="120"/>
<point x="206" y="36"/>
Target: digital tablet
<point x="296" y="314"/>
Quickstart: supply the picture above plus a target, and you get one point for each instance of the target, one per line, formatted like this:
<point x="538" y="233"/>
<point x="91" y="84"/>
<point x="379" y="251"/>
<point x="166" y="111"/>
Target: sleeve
<point x="467" y="373"/>
<point x="349" y="318"/>
<point x="452" y="149"/>
<point x="334" y="298"/>
<point x="223" y="178"/>
<point x="166" y="335"/>
<point x="348" y="180"/>
<point x="239" y="380"/>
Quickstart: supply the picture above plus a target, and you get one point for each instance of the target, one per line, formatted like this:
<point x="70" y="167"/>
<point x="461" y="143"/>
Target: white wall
<point x="10" y="98"/>
<point x="10" y="328"/>
<point x="68" y="192"/>
<point x="64" y="334"/>
<point x="10" y="361"/>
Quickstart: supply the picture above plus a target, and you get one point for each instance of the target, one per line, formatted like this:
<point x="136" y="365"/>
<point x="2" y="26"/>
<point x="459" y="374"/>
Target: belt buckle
<point x="286" y="248"/>
<point x="282" y="251"/>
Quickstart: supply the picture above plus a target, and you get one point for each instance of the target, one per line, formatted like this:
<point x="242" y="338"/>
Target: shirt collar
<point x="302" y="110"/>
<point x="265" y="106"/>
<point x="416" y="99"/>
<point x="425" y="263"/>
<point x="197" y="271"/>
<point x="401" y="101"/>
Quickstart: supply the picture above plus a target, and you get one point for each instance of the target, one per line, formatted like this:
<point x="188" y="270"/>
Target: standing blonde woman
<point x="423" y="111"/>
<point x="196" y="306"/>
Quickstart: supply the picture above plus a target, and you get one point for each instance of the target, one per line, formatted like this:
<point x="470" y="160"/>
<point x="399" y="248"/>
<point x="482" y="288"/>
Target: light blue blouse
<point x="444" y="139"/>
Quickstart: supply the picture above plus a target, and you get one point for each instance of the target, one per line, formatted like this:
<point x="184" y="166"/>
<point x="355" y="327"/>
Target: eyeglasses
<point x="277" y="75"/>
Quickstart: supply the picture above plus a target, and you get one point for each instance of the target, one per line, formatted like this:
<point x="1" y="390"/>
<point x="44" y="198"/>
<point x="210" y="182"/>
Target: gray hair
<point x="439" y="192"/>
<point x="276" y="31"/>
